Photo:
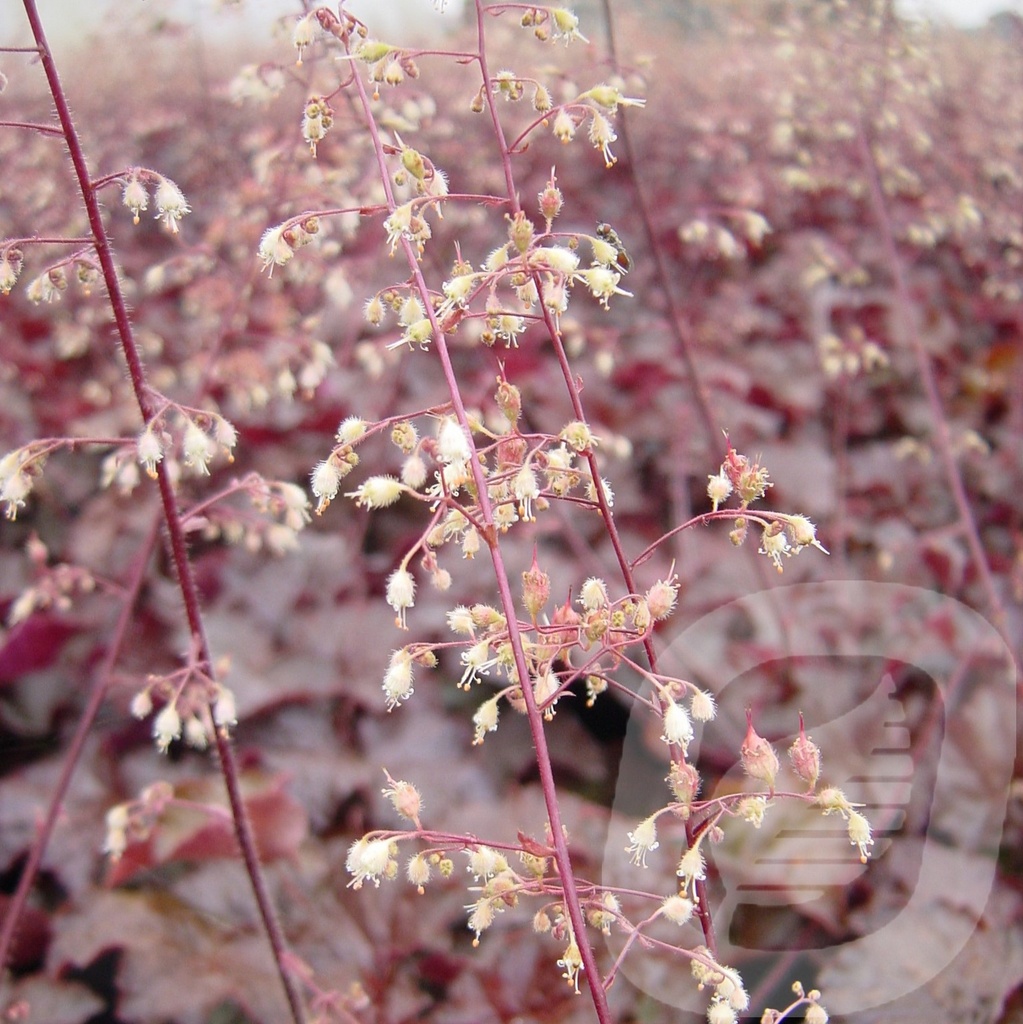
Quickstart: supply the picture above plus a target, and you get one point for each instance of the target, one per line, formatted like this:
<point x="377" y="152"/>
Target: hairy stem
<point x="171" y="514"/>
<point x="534" y="716"/>
<point x="907" y="333"/>
<point x="85" y="722"/>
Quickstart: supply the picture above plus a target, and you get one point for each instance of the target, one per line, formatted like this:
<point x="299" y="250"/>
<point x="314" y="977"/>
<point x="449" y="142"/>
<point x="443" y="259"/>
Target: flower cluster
<point x="134" y="821"/>
<point x="279" y="243"/>
<point x="169" y="200"/>
<point x="194" y="704"/>
<point x="54" y="586"/>
<point x="783" y="534"/>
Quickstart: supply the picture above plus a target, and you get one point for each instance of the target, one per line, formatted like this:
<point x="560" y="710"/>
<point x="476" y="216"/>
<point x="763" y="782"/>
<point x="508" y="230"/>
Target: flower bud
<point x="677" y="909"/>
<point x="551" y="199"/>
<point x="536" y="589"/>
<point x="684" y="782"/>
<point x="509" y="400"/>
<point x="738" y="534"/>
<point x="805" y="756"/>
<point x="405" y="798"/>
<point x="759" y="760"/>
<point x="413" y="162"/>
<point x="520" y="232"/>
<point x="661" y="597"/>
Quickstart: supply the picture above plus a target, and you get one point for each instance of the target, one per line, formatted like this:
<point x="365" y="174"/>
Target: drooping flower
<point x="643" y="839"/>
<point x="401" y="591"/>
<point x="171" y="204"/>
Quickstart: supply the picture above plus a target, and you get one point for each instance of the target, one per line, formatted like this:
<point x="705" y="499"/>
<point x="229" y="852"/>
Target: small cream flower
<point x="678" y="909"/>
<point x="197" y="448"/>
<point x="149" y="451"/>
<point x="274" y="249"/>
<point x="485" y="719"/>
<point x="303" y="34"/>
<point x="325" y="482"/>
<point x="774" y="543"/>
<point x="573" y="964"/>
<point x="602" y="283"/>
<point x="171" y="204"/>
<point x="566" y="25"/>
<point x="678" y="729"/>
<point x="166" y="727"/>
<point x="369" y="859"/>
<point x="719" y="487"/>
<point x="377" y="492"/>
<point x="452" y="444"/>
<point x="643" y="839"/>
<point x="602" y="135"/>
<point x="859" y="834"/>
<point x="398" y="679"/>
<point x="692" y="868"/>
<point x="135" y="196"/>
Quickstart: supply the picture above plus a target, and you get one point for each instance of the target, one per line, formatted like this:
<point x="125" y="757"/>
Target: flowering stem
<point x="702" y="907"/>
<point x="939" y="422"/>
<point x="171" y="514"/>
<point x="490" y="536"/>
<point x="481" y="56"/>
<point x="77" y="744"/>
<point x="676" y="321"/>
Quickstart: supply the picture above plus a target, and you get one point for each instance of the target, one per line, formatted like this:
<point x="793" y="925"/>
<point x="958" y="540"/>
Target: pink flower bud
<point x="536" y="589"/>
<point x="805" y="756"/>
<point x="684" y="782"/>
<point x="759" y="760"/>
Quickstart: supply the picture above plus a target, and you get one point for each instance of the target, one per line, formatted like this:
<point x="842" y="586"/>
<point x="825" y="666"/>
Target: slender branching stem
<point x="171" y="514"/>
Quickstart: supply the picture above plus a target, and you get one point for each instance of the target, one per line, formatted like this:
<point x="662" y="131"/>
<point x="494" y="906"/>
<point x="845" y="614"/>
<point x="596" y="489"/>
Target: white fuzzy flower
<point x="643" y="839"/>
<point x="225" y="709"/>
<point x="702" y="707"/>
<point x="678" y="729"/>
<point x="401" y="592"/>
<point x="398" y="678"/>
<point x="485" y="719"/>
<point x="452" y="444"/>
<point x="718" y="489"/>
<point x="377" y="492"/>
<point x="304" y="33"/>
<point x="692" y="868"/>
<point x="678" y="909"/>
<point x="166" y="727"/>
<point x="368" y="859"/>
<point x="171" y="204"/>
<point x="149" y="451"/>
<point x="135" y="196"/>
<point x="526" y="490"/>
<point x="274" y="250"/>
<point x="555" y="258"/>
<point x="325" y="481"/>
<point x="197" y="448"/>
